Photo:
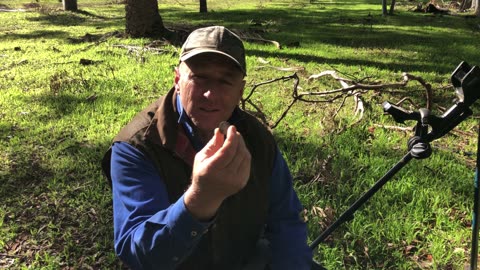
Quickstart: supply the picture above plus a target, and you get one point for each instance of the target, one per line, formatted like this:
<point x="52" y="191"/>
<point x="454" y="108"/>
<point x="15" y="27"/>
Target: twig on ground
<point x="9" y="255"/>
<point x="404" y="129"/>
<point x="406" y="99"/>
<point x="138" y="49"/>
<point x="21" y="62"/>
<point x="295" y="69"/>
<point x="428" y="87"/>
<point x="262" y="40"/>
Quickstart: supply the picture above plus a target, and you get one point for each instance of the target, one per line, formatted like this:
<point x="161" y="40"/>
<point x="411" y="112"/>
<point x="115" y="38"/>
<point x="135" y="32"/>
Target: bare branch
<point x="350" y="88"/>
<point x="428" y="87"/>
<point x="404" y="129"/>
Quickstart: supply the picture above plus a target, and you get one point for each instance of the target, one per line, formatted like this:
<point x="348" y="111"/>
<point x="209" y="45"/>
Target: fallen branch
<point x="261" y="40"/>
<point x="349" y="88"/>
<point x="21" y="62"/>
<point x="404" y="129"/>
<point x="5" y="255"/>
<point x="11" y="10"/>
<point x="428" y="87"/>
<point x="138" y="49"/>
<point x="290" y="69"/>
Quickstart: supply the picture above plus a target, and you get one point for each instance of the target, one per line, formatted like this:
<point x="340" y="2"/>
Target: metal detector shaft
<point x="476" y="198"/>
<point x="348" y="214"/>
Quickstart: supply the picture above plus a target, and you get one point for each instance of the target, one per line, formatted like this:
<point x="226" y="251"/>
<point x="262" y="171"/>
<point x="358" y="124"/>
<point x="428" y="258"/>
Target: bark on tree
<point x="143" y="19"/>
<point x="70" y="5"/>
<point x="466" y="4"/>
<point x="203" y="6"/>
<point x="392" y="7"/>
<point x="384" y="7"/>
<point x="477" y="8"/>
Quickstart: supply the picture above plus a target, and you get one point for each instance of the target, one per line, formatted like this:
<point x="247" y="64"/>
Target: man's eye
<point x="226" y="82"/>
<point x="199" y="78"/>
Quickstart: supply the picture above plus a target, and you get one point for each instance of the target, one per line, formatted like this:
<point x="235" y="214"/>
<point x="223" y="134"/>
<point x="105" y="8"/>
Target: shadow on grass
<point x="60" y="19"/>
<point x="355" y="29"/>
<point x="46" y="34"/>
<point x="56" y="210"/>
<point x="65" y="18"/>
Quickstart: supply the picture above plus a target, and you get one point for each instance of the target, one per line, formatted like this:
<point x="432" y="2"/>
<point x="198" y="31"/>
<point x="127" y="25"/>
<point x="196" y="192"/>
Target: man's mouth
<point x="208" y="110"/>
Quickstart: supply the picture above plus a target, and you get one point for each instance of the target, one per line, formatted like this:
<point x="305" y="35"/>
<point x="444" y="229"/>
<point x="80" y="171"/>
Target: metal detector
<point x="466" y="81"/>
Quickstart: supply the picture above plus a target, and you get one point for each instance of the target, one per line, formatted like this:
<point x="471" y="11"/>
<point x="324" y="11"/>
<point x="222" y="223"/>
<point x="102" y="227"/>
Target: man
<point x="186" y="196"/>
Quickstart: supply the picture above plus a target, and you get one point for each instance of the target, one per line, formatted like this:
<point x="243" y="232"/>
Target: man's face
<point x="210" y="87"/>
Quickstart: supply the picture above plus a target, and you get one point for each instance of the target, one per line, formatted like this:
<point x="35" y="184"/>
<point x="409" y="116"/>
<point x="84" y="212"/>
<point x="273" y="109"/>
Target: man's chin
<point x="206" y="124"/>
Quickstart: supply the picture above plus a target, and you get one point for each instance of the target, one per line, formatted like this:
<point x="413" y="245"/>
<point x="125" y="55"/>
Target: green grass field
<point x="70" y="81"/>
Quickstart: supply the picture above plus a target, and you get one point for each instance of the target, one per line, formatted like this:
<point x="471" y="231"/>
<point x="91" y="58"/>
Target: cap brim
<point x="195" y="52"/>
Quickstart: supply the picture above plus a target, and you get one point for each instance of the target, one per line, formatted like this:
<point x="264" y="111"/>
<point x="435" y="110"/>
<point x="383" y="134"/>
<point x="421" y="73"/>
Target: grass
<point x="57" y="117"/>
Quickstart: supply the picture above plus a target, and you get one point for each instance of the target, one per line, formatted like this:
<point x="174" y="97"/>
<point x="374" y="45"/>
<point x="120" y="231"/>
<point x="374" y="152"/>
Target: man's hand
<point x="220" y="169"/>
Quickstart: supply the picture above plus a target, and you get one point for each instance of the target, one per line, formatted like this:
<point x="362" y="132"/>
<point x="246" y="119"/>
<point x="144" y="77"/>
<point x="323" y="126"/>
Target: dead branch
<point x="12" y="10"/>
<point x="340" y="107"/>
<point x="138" y="49"/>
<point x="349" y="88"/>
<point x="12" y="65"/>
<point x="289" y="69"/>
<point x="262" y="40"/>
<point x="406" y="99"/>
<point x="428" y="87"/>
<point x="404" y="129"/>
<point x="406" y="78"/>
<point x="283" y="78"/>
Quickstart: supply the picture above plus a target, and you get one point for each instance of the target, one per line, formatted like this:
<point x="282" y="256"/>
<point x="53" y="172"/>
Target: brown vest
<point x="241" y="218"/>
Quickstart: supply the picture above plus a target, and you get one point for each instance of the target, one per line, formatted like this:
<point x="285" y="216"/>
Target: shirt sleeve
<point x="285" y="230"/>
<point x="149" y="231"/>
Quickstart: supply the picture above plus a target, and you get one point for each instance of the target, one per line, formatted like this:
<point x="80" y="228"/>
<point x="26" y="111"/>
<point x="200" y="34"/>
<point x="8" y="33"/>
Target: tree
<point x="392" y="7"/>
<point x="203" y="6"/>
<point x="70" y="5"/>
<point x="143" y="19"/>
<point x="477" y="8"/>
<point x="384" y="7"/>
<point x="466" y="4"/>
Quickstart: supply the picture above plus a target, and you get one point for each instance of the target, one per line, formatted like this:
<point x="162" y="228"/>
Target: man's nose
<point x="211" y="89"/>
<point x="208" y="94"/>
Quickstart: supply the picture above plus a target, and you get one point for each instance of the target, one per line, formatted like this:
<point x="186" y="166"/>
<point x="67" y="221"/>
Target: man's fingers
<point x="231" y="154"/>
<point x="227" y="152"/>
<point x="214" y="144"/>
<point x="241" y="154"/>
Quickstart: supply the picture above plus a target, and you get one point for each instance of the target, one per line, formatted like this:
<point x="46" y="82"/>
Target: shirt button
<point x="193" y="233"/>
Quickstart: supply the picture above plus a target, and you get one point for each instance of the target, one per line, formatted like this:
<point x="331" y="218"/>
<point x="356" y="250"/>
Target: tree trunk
<point x="392" y="7"/>
<point x="384" y="7"/>
<point x="70" y="5"/>
<point x="477" y="8"/>
<point x="466" y="4"/>
<point x="143" y="19"/>
<point x="203" y="6"/>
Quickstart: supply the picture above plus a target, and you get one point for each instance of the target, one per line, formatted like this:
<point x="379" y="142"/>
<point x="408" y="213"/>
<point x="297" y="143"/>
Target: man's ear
<point x="177" y="78"/>
<point x="243" y="87"/>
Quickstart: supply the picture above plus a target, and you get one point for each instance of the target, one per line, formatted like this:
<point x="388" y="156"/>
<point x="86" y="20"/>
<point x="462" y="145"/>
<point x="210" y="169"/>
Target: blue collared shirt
<point x="152" y="233"/>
